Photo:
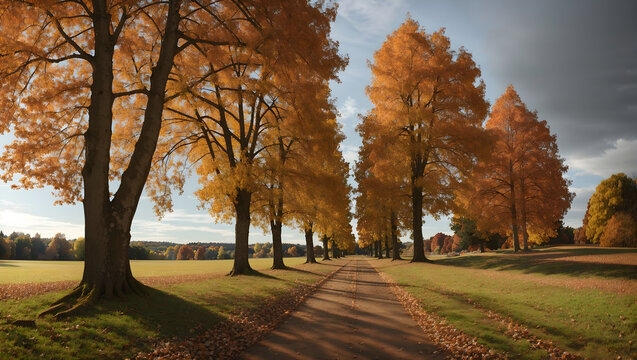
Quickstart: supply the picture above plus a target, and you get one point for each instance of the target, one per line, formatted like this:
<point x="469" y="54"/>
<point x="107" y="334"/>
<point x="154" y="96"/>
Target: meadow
<point x="197" y="296"/>
<point x="581" y="300"/>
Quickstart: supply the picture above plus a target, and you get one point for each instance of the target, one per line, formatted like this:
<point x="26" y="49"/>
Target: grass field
<point x="27" y="271"/>
<point x="120" y="329"/>
<point x="582" y="299"/>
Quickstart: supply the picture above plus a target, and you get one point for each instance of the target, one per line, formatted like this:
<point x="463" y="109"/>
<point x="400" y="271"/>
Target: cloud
<point x="350" y="153"/>
<point x="621" y="157"/>
<point x="16" y="220"/>
<point x="371" y="17"/>
<point x="348" y="109"/>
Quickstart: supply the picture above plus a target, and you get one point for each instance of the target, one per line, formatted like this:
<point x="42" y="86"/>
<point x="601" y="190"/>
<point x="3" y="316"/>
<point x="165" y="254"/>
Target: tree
<point x="185" y="253"/>
<point x="521" y="187"/>
<point x="223" y="254"/>
<point x="617" y="194"/>
<point x="78" y="248"/>
<point x="59" y="248"/>
<point x="293" y="251"/>
<point x="38" y="247"/>
<point x="427" y="97"/>
<point x="87" y="82"/>
<point x="5" y="248"/>
<point x="201" y="253"/>
<point x="138" y="252"/>
<point x="23" y="247"/>
<point x="171" y="253"/>
<point x="212" y="252"/>
<point x="620" y="230"/>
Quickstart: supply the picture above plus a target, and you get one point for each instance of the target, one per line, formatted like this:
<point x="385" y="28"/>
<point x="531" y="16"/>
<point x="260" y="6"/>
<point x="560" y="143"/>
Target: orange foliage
<point x="521" y="188"/>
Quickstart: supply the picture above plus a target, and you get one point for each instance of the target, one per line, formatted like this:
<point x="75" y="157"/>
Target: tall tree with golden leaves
<point x="232" y="118"/>
<point x="428" y="97"/>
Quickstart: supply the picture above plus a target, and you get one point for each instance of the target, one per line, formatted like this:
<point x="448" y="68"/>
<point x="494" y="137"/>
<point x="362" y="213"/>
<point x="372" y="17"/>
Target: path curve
<point x="353" y="316"/>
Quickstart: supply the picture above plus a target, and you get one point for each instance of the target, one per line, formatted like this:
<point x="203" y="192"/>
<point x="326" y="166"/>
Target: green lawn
<point x="119" y="329"/>
<point x="27" y="271"/>
<point x="591" y="322"/>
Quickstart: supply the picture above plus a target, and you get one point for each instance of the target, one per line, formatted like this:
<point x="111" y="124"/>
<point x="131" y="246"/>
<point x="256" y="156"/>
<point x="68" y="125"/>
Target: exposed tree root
<point x="85" y="296"/>
<point x="279" y="267"/>
<point x="246" y="271"/>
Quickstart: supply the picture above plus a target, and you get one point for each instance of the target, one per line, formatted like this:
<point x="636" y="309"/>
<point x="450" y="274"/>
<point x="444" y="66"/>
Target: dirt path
<point x="353" y="316"/>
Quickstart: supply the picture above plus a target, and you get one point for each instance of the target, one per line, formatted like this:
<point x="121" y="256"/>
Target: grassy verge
<point x="119" y="329"/>
<point x="32" y="271"/>
<point x="590" y="322"/>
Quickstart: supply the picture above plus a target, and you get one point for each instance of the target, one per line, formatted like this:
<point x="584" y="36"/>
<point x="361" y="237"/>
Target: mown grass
<point x="28" y="271"/>
<point x="594" y="323"/>
<point x="119" y="329"/>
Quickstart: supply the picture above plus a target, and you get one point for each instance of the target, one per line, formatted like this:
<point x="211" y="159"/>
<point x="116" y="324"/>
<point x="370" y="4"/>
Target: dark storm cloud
<point x="575" y="62"/>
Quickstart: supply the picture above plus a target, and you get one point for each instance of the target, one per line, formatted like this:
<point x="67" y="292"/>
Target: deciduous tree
<point x="520" y="188"/>
<point x="429" y="99"/>
<point x="83" y="88"/>
<point x="617" y="194"/>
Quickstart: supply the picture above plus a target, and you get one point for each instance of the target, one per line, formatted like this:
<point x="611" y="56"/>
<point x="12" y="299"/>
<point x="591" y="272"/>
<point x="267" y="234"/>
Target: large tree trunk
<point x="394" y="237"/>
<point x="277" y="245"/>
<point x="514" y="215"/>
<point x="326" y="255"/>
<point x="386" y="246"/>
<point x="242" y="231"/>
<point x="107" y="223"/>
<point x="416" y="208"/>
<point x="379" y="245"/>
<point x="334" y="250"/>
<point x="309" y="244"/>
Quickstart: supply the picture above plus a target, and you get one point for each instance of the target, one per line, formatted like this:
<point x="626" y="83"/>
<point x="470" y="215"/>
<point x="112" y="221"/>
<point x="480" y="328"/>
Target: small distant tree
<point x="38" y="247"/>
<point x="5" y="248"/>
<point x="155" y="255"/>
<point x="211" y="253"/>
<point x="318" y="250"/>
<point x="185" y="253"/>
<point x="170" y="253"/>
<point x="222" y="254"/>
<point x="292" y="251"/>
<point x="78" y="248"/>
<point x="59" y="248"/>
<point x="201" y="253"/>
<point x="22" y="247"/>
<point x="138" y="252"/>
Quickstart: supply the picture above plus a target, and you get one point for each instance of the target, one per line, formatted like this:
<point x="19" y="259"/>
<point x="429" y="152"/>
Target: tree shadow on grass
<point x="550" y="262"/>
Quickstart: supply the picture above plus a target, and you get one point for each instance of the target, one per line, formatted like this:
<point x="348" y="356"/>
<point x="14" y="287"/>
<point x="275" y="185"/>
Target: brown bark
<point x="386" y="246"/>
<point x="326" y="255"/>
<point x="379" y="246"/>
<point x="394" y="237"/>
<point x="107" y="222"/>
<point x="309" y="244"/>
<point x="525" y="233"/>
<point x="514" y="216"/>
<point x="277" y="245"/>
<point x="334" y="250"/>
<point x="416" y="208"/>
<point x="242" y="231"/>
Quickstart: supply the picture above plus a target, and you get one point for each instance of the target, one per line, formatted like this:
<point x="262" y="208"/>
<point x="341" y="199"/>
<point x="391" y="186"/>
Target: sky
<point x="574" y="61"/>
